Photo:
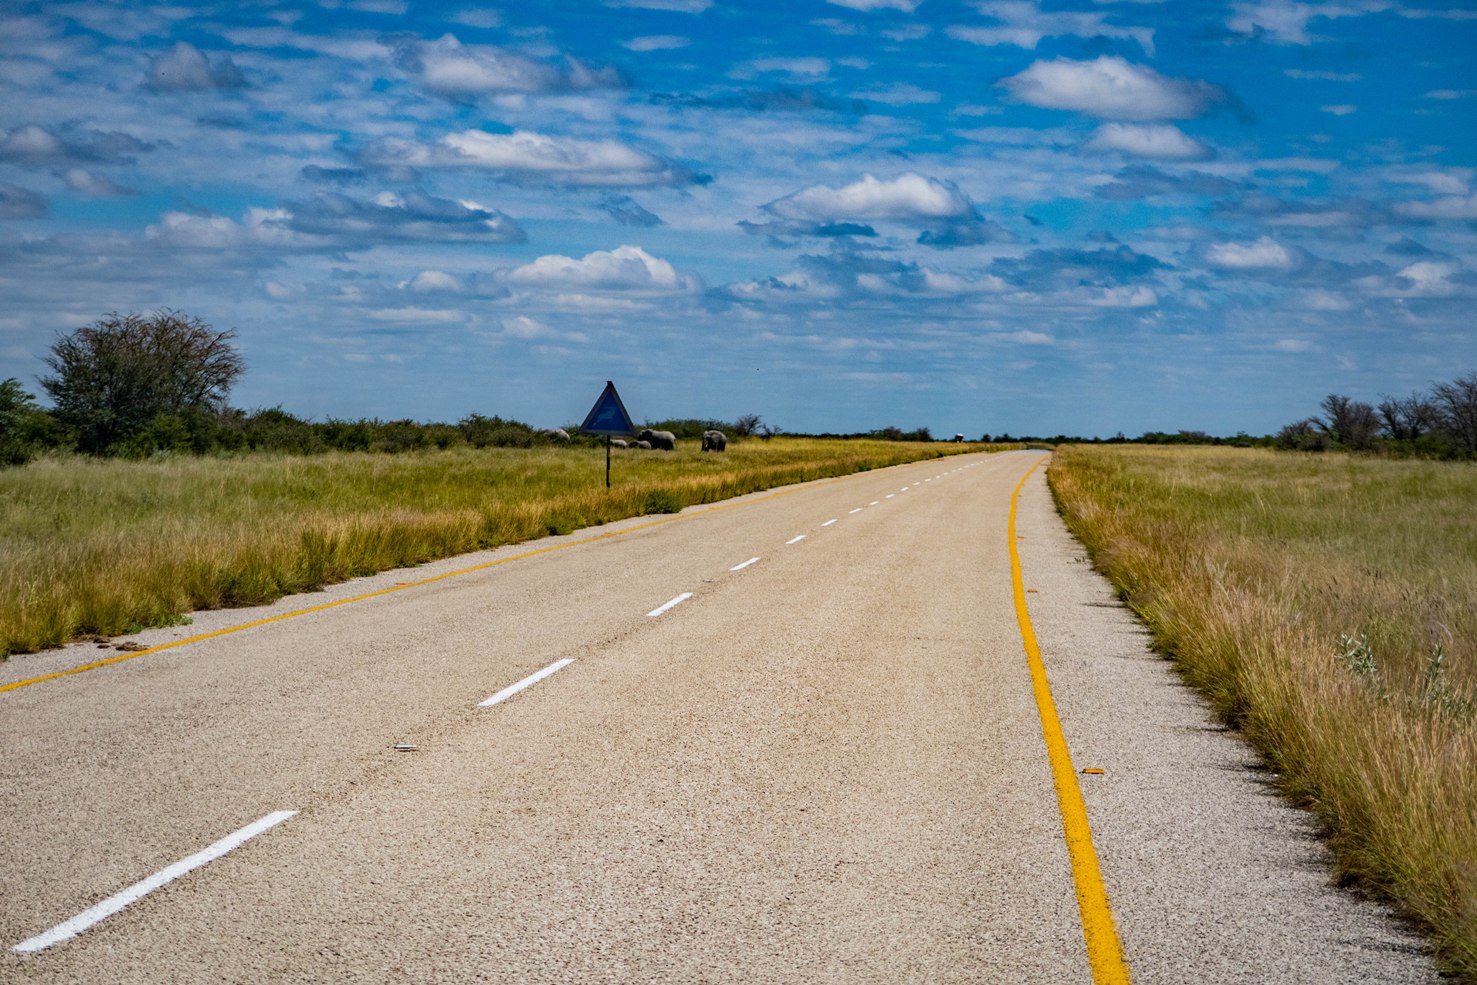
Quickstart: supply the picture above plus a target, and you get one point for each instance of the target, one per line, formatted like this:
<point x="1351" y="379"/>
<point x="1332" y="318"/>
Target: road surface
<point x="790" y="739"/>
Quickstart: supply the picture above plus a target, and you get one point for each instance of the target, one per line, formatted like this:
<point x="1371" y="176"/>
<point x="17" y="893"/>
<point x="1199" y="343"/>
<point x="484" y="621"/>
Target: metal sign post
<point x="608" y="417"/>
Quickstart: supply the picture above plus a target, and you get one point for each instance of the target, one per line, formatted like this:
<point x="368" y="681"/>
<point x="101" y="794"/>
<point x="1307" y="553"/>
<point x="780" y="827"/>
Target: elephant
<point x="714" y="441"/>
<point x="642" y="444"/>
<point x="619" y="443"/>
<point x="665" y="440"/>
<point x="558" y="434"/>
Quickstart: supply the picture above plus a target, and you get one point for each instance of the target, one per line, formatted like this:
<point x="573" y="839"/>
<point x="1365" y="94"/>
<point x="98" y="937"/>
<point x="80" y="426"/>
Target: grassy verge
<point x="104" y="547"/>
<point x="1327" y="605"/>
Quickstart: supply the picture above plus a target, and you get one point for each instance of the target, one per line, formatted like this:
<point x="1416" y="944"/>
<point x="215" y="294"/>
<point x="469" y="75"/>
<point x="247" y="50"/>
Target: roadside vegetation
<point x="1327" y="606"/>
<point x="96" y="546"/>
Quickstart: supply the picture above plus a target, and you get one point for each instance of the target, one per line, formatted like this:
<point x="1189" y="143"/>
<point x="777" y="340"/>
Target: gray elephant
<point x="558" y="434"/>
<point x="665" y="440"/>
<point x="715" y="441"/>
<point x="619" y="443"/>
<point x="642" y="444"/>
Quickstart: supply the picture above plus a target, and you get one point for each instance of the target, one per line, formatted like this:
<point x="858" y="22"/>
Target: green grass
<point x="1327" y="605"/>
<point x="102" y="547"/>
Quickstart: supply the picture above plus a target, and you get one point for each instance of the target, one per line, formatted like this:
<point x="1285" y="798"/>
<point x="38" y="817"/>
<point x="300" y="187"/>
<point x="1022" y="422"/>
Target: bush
<point x="25" y="428"/>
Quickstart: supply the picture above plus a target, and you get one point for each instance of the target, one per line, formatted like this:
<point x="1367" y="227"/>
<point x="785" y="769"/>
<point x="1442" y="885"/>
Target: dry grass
<point x="1328" y="607"/>
<point x="105" y="546"/>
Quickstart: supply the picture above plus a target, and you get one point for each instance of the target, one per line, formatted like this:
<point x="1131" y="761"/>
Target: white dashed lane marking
<point x="743" y="565"/>
<point x="528" y="681"/>
<point x="71" y="928"/>
<point x="669" y="604"/>
<point x="828" y="523"/>
<point x="794" y="540"/>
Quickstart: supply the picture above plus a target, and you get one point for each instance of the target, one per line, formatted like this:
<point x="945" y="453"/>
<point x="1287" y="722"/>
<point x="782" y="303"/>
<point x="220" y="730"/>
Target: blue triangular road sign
<point x="608" y="416"/>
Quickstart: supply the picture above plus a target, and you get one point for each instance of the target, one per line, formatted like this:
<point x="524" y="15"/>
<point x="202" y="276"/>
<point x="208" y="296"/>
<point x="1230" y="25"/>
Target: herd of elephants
<point x="661" y="440"/>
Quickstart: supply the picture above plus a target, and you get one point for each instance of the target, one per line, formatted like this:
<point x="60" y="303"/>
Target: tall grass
<point x="1327" y="605"/>
<point x="91" y="546"/>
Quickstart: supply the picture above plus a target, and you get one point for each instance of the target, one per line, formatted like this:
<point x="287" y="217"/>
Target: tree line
<point x="1439" y="423"/>
<point x="132" y="385"/>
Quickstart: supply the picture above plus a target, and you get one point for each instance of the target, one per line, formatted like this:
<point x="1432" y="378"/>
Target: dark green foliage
<point x="116" y="378"/>
<point x="25" y="428"/>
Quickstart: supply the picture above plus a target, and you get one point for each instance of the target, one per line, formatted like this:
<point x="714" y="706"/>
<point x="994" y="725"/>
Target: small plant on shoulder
<point x="1358" y="656"/>
<point x="1438" y="691"/>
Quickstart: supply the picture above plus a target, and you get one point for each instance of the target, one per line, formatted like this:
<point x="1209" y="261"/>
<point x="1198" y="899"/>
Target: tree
<point x="1456" y="403"/>
<point x="115" y="377"/>
<point x="1350" y="423"/>
<point x="747" y="424"/>
<point x="1408" y="419"/>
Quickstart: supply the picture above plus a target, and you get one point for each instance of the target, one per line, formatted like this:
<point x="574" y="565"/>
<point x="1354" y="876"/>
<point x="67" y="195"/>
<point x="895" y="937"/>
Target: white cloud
<point x="1451" y="94"/>
<point x="1426" y="279"/>
<point x="1339" y="109"/>
<point x="908" y="196"/>
<point x="1161" y="141"/>
<point x="800" y="68"/>
<point x="259" y="227"/>
<point x="656" y="42"/>
<point x="676" y="6"/>
<point x="1293" y="345"/>
<point x="906" y="6"/>
<point x="1451" y="207"/>
<point x="1127" y="296"/>
<point x="624" y="268"/>
<point x="417" y="316"/>
<point x="1264" y="254"/>
<point x="898" y="94"/>
<point x="1112" y="88"/>
<point x="1287" y="22"/>
<point x="432" y="281"/>
<point x="449" y="68"/>
<point x="522" y="153"/>
<point x="85" y="182"/>
<point x="1024" y="25"/>
<point x="31" y="143"/>
<point x="184" y="68"/>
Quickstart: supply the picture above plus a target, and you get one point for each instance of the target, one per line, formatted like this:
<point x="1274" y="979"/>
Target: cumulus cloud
<point x="22" y="203"/>
<point x="626" y="268"/>
<point x="85" y="182"/>
<point x="401" y="218"/>
<point x="185" y="68"/>
<point x="525" y="155"/>
<point x="1263" y="254"/>
<point x="909" y="196"/>
<point x="1057" y="269"/>
<point x="449" y="68"/>
<point x="1449" y="207"/>
<point x="432" y="282"/>
<point x="1111" y="88"/>
<point x="1024" y="24"/>
<point x="192" y="231"/>
<point x="950" y="218"/>
<point x="333" y="221"/>
<point x="1286" y="22"/>
<point x="38" y="146"/>
<point x="1143" y="181"/>
<point x="1160" y="141"/>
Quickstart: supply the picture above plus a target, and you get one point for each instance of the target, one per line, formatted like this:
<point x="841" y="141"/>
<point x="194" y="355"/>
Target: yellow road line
<point x="17" y="685"/>
<point x="1104" y="950"/>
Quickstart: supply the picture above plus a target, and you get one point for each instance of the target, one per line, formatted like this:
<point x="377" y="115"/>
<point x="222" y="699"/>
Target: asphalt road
<point x="825" y="764"/>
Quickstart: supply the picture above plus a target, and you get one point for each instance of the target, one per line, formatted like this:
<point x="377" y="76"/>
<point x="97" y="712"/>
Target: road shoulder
<point x="1211" y="876"/>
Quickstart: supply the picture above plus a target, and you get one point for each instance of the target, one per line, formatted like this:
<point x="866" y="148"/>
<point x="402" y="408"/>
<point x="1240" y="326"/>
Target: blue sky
<point x="1015" y="216"/>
